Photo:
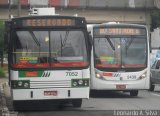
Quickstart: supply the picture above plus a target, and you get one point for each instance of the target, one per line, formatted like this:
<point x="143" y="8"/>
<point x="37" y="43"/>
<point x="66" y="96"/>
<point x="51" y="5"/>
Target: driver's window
<point x="158" y="64"/>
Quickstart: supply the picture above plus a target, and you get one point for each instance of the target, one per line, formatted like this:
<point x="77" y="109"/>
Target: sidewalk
<point x="2" y="100"/>
<point x="3" y="80"/>
<point x="5" y="108"/>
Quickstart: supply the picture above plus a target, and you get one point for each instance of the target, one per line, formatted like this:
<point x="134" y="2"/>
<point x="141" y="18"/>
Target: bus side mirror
<point x="90" y="40"/>
<point x="90" y="44"/>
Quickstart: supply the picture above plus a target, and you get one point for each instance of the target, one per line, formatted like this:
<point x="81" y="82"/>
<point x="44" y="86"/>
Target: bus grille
<point x="50" y="84"/>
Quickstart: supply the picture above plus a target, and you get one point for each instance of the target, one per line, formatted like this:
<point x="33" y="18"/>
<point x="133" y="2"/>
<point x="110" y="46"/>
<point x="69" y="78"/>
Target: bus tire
<point x="134" y="93"/>
<point x="77" y="102"/>
<point x="17" y="106"/>
<point x="151" y="87"/>
<point x="21" y="106"/>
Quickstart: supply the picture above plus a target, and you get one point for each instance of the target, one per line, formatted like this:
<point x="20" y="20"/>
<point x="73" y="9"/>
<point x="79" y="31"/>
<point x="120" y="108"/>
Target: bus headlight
<point x="74" y="84"/>
<point x="143" y="76"/>
<point x="98" y="75"/>
<point x="80" y="82"/>
<point x="101" y="76"/>
<point x="20" y="84"/>
<point x="26" y="85"/>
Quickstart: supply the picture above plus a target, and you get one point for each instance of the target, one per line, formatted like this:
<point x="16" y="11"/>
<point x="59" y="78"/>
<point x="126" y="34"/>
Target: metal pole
<point x="19" y="8"/>
<point x="1" y="55"/>
<point x="9" y="9"/>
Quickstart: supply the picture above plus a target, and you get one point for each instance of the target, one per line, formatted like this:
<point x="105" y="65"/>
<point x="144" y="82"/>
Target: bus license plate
<point x="50" y="93"/>
<point x="120" y="87"/>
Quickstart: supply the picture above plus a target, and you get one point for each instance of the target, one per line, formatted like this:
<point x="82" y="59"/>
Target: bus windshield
<point x="120" y="51"/>
<point x="43" y="49"/>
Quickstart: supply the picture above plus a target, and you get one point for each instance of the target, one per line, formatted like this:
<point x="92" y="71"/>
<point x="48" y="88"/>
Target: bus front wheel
<point x="18" y="106"/>
<point x="134" y="93"/>
<point x="151" y="87"/>
<point x="77" y="102"/>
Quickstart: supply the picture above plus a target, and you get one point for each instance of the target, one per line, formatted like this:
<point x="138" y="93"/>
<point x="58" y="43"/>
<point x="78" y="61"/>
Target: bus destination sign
<point x="120" y="31"/>
<point x="48" y="22"/>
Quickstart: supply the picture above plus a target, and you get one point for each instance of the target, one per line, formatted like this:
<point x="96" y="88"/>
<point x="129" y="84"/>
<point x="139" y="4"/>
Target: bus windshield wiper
<point x="63" y="42"/>
<point x="109" y="41"/>
<point x="65" y="39"/>
<point x="129" y="44"/>
<point x="34" y="38"/>
<point x="36" y="41"/>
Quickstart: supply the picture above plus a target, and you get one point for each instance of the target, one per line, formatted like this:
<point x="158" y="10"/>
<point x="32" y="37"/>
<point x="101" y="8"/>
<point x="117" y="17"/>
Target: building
<point x="95" y="11"/>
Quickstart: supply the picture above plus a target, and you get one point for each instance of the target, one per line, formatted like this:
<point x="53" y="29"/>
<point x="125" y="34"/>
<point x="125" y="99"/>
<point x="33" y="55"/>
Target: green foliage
<point x="1" y="35"/>
<point x="2" y="73"/>
<point x="155" y="19"/>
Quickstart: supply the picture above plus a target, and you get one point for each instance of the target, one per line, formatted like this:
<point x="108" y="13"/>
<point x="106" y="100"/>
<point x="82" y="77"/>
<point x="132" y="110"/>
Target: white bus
<point x="48" y="60"/>
<point x="120" y="57"/>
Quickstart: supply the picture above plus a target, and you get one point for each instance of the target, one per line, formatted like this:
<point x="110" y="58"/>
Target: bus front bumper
<point x="50" y="93"/>
<point x="97" y="84"/>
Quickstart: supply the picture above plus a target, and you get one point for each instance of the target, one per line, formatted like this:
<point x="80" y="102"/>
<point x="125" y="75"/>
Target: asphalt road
<point x="106" y="103"/>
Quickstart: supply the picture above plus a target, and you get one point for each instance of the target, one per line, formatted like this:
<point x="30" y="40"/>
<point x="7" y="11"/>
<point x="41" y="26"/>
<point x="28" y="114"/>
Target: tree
<point x="1" y="41"/>
<point x="155" y="15"/>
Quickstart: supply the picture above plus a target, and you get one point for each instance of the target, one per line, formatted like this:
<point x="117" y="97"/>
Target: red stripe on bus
<point x="134" y="65"/>
<point x="41" y="65"/>
<point x="70" y="64"/>
<point x="45" y="65"/>
<point x="108" y="65"/>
